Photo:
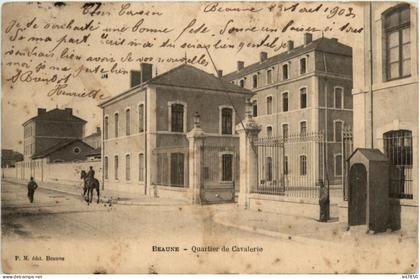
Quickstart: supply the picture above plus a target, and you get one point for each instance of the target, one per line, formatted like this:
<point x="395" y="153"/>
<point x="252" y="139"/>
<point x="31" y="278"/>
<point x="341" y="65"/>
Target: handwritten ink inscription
<point x="76" y="50"/>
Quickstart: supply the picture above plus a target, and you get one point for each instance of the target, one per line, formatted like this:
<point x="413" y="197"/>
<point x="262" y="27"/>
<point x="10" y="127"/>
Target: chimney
<point x="69" y="111"/>
<point x="307" y="38"/>
<point x="146" y="72"/>
<point x="41" y="111"/>
<point x="263" y="56"/>
<point x="240" y="65"/>
<point x="135" y="78"/>
<point x="289" y="45"/>
<point x="219" y="73"/>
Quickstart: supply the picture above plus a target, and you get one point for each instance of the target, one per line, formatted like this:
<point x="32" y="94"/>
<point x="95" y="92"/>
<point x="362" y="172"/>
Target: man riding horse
<point x="90" y="183"/>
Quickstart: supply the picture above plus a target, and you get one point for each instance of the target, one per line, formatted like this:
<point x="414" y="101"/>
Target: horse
<point x="89" y="186"/>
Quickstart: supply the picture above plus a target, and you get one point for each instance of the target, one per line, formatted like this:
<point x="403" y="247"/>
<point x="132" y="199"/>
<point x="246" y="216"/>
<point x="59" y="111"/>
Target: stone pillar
<point x="248" y="166"/>
<point x="196" y="139"/>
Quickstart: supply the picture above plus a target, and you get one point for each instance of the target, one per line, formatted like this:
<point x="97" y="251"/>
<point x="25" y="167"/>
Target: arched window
<point x="285" y="99"/>
<point x="116" y="124"/>
<point x="303" y="98"/>
<point x="396" y="29"/>
<point x="141" y="118"/>
<point x="106" y="127"/>
<point x="269" y="105"/>
<point x="127" y="167"/>
<point x="127" y="122"/>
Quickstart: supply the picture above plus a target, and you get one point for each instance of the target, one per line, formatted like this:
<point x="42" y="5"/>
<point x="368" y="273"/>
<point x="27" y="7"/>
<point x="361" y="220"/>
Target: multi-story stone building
<point x="386" y="98"/>
<point x="302" y="90"/>
<point x="145" y="147"/>
<point x="50" y="128"/>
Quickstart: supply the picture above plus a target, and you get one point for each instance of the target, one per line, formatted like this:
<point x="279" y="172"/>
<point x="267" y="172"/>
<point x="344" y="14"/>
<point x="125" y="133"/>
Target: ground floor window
<point x="177" y="169"/>
<point x="106" y="167"/>
<point x="127" y="167"/>
<point x="338" y="168"/>
<point x="398" y="147"/>
<point x="227" y="167"/>
<point x="268" y="168"/>
<point x="141" y="167"/>
<point x="116" y="167"/>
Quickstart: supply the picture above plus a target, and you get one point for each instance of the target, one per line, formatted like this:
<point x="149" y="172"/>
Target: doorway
<point x="357" y="195"/>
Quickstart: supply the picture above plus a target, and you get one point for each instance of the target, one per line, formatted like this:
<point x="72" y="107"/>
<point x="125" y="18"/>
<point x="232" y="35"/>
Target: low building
<point x="145" y="147"/>
<point x="68" y="151"/>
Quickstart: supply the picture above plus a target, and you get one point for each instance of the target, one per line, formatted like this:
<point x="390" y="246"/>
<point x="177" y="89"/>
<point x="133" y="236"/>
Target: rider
<point x="91" y="175"/>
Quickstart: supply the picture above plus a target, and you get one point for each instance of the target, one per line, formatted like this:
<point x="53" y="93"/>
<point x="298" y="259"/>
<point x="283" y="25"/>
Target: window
<point x="285" y="98"/>
<point x="254" y="109"/>
<point x="242" y="83"/>
<point x="269" y="76"/>
<point x="338" y="168"/>
<point x="141" y="167"/>
<point x="116" y="167"/>
<point x="116" y="121"/>
<point x="227" y="116"/>
<point x="338" y="131"/>
<point x="303" y="98"/>
<point x="127" y="122"/>
<point x="269" y="105"/>
<point x="269" y="131"/>
<point x="106" y="127"/>
<point x="285" y="129"/>
<point x="286" y="165"/>
<point x="76" y="150"/>
<point x="285" y="71"/>
<point x="303" y="128"/>
<point x="106" y="167"/>
<point x="398" y="147"/>
<point x="338" y="97"/>
<point x="177" y="118"/>
<point x="177" y="169"/>
<point x="227" y="167"/>
<point x="396" y="25"/>
<point x="141" y="118"/>
<point x="127" y="167"/>
<point x="254" y="81"/>
<point x="303" y="66"/>
<point x="302" y="165"/>
<point x="268" y="168"/>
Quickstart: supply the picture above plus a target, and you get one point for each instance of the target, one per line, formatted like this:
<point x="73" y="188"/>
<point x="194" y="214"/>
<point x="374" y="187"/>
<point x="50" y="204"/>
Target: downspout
<point x="103" y="150"/>
<point x="371" y="75"/>
<point x="146" y="130"/>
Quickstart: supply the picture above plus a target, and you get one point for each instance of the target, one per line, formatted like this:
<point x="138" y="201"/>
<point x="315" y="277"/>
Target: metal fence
<point x="346" y="150"/>
<point x="290" y="166"/>
<point x="172" y="166"/>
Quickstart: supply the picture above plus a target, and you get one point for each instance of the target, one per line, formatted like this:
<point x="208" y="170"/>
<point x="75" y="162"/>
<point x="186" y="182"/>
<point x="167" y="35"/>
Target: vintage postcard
<point x="209" y="137"/>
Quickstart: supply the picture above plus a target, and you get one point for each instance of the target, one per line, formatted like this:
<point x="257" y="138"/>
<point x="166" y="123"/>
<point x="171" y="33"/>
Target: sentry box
<point x="368" y="179"/>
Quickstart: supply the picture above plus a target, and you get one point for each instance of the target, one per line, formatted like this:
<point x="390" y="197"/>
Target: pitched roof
<point x="321" y="44"/>
<point x="188" y="76"/>
<point x="57" y="147"/>
<point x="57" y="114"/>
<point x="371" y="154"/>
<point x="94" y="152"/>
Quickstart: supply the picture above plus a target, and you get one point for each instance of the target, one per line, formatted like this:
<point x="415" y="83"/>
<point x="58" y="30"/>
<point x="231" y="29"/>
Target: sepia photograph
<point x="209" y="137"/>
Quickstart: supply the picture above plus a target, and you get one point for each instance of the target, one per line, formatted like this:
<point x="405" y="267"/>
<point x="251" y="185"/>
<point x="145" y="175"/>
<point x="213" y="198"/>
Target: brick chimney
<point x="219" y="73"/>
<point x="41" y="111"/>
<point x="263" y="56"/>
<point x="146" y="72"/>
<point x="240" y="65"/>
<point x="135" y="78"/>
<point x="289" y="45"/>
<point x="307" y="38"/>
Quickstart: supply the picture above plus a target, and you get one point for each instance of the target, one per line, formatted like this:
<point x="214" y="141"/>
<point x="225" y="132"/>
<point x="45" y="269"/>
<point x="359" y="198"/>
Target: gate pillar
<point x="196" y="139"/>
<point x="248" y="132"/>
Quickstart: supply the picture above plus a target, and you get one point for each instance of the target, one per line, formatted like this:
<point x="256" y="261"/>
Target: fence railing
<point x="290" y="166"/>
